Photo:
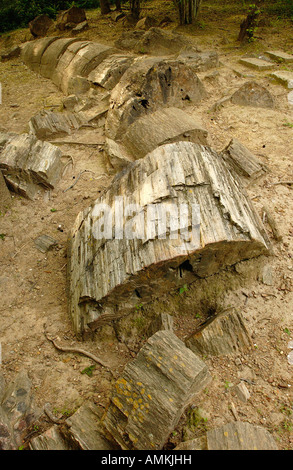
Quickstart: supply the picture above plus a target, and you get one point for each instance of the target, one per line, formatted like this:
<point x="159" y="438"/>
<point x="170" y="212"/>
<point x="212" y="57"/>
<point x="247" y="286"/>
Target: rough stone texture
<point x="44" y="243"/>
<point x="241" y="391"/>
<point x="150" y="84"/>
<point x="284" y="77"/>
<point x="48" y="124"/>
<point x="253" y="94"/>
<point x="242" y="161"/>
<point x="84" y="60"/>
<point x="224" y="334"/>
<point x="52" y="54"/>
<point x="280" y="56"/>
<point x="40" y="25"/>
<point x="70" y="17"/>
<point x="199" y="61"/>
<point x="240" y="436"/>
<point x="83" y="430"/>
<point x="149" y="398"/>
<point x="161" y="127"/>
<point x="257" y="64"/>
<point x="108" y="276"/>
<point x="51" y="439"/>
<point x="17" y="412"/>
<point x="157" y="41"/>
<point x="5" y="197"/>
<point x="32" y="51"/>
<point x="80" y="28"/>
<point x="117" y="156"/>
<point x="29" y="164"/>
<point x="110" y="71"/>
<point x="163" y="321"/>
<point x="146" y="23"/>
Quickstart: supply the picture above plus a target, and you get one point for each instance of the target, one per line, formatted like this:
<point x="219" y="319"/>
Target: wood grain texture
<point x="108" y="277"/>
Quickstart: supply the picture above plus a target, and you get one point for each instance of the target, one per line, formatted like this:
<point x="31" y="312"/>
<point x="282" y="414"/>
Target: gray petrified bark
<point x="224" y="334"/>
<point x="242" y="161"/>
<point x="149" y="398"/>
<point x="134" y="243"/>
<point x="148" y="85"/>
<point x="29" y="164"/>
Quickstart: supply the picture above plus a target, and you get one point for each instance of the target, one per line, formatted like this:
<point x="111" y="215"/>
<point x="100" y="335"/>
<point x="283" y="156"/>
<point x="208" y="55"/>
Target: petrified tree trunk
<point x="121" y="255"/>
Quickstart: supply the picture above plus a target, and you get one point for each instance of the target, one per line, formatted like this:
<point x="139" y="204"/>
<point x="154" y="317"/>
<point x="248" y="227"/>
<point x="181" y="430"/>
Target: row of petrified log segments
<point x="108" y="277"/>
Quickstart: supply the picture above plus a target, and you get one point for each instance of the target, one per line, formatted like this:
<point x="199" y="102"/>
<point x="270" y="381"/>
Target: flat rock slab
<point x="253" y="94"/>
<point x="284" y="77"/>
<point x="49" y="125"/>
<point x="280" y="56"/>
<point x="224" y="334"/>
<point x="149" y="398"/>
<point x="149" y="84"/>
<point x="29" y="164"/>
<point x="199" y="61"/>
<point x="161" y="127"/>
<point x="240" y="436"/>
<point x="257" y="64"/>
<point x="114" y="264"/>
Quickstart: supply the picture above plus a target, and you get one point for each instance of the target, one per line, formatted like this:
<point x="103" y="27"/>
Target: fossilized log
<point x="155" y="388"/>
<point x="149" y="84"/>
<point x="113" y="267"/>
<point x="47" y="124"/>
<point x="29" y="164"/>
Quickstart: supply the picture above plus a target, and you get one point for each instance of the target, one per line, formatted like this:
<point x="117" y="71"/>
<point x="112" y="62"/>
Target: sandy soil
<point x="33" y="284"/>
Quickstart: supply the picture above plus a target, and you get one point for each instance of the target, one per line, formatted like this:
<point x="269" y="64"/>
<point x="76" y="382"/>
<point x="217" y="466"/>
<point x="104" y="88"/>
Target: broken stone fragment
<point x="28" y="165"/>
<point x="232" y="436"/>
<point x="149" y="398"/>
<point x="84" y="430"/>
<point x="40" y="25"/>
<point x="17" y="412"/>
<point x="135" y="259"/>
<point x="223" y="334"/>
<point x="240" y="436"/>
<point x="253" y="94"/>
<point x="48" y="125"/>
<point x="51" y="439"/>
<point x="44" y="243"/>
<point x="73" y="15"/>
<point x="241" y="391"/>
<point x="242" y="161"/>
<point x="163" y="321"/>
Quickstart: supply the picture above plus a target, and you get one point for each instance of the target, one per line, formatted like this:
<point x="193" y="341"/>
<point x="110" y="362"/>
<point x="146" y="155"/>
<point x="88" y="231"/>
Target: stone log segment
<point x="153" y="391"/>
<point x="116" y="261"/>
<point x="67" y="58"/>
<point x="149" y="84"/>
<point x="29" y="164"/>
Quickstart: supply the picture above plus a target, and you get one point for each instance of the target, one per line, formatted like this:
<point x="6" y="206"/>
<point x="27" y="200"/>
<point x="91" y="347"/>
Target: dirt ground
<point x="33" y="284"/>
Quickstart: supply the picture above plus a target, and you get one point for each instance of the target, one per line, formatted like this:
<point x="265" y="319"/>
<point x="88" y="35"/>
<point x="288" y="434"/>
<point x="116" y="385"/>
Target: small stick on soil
<point x="81" y="173"/>
<point x="78" y="351"/>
